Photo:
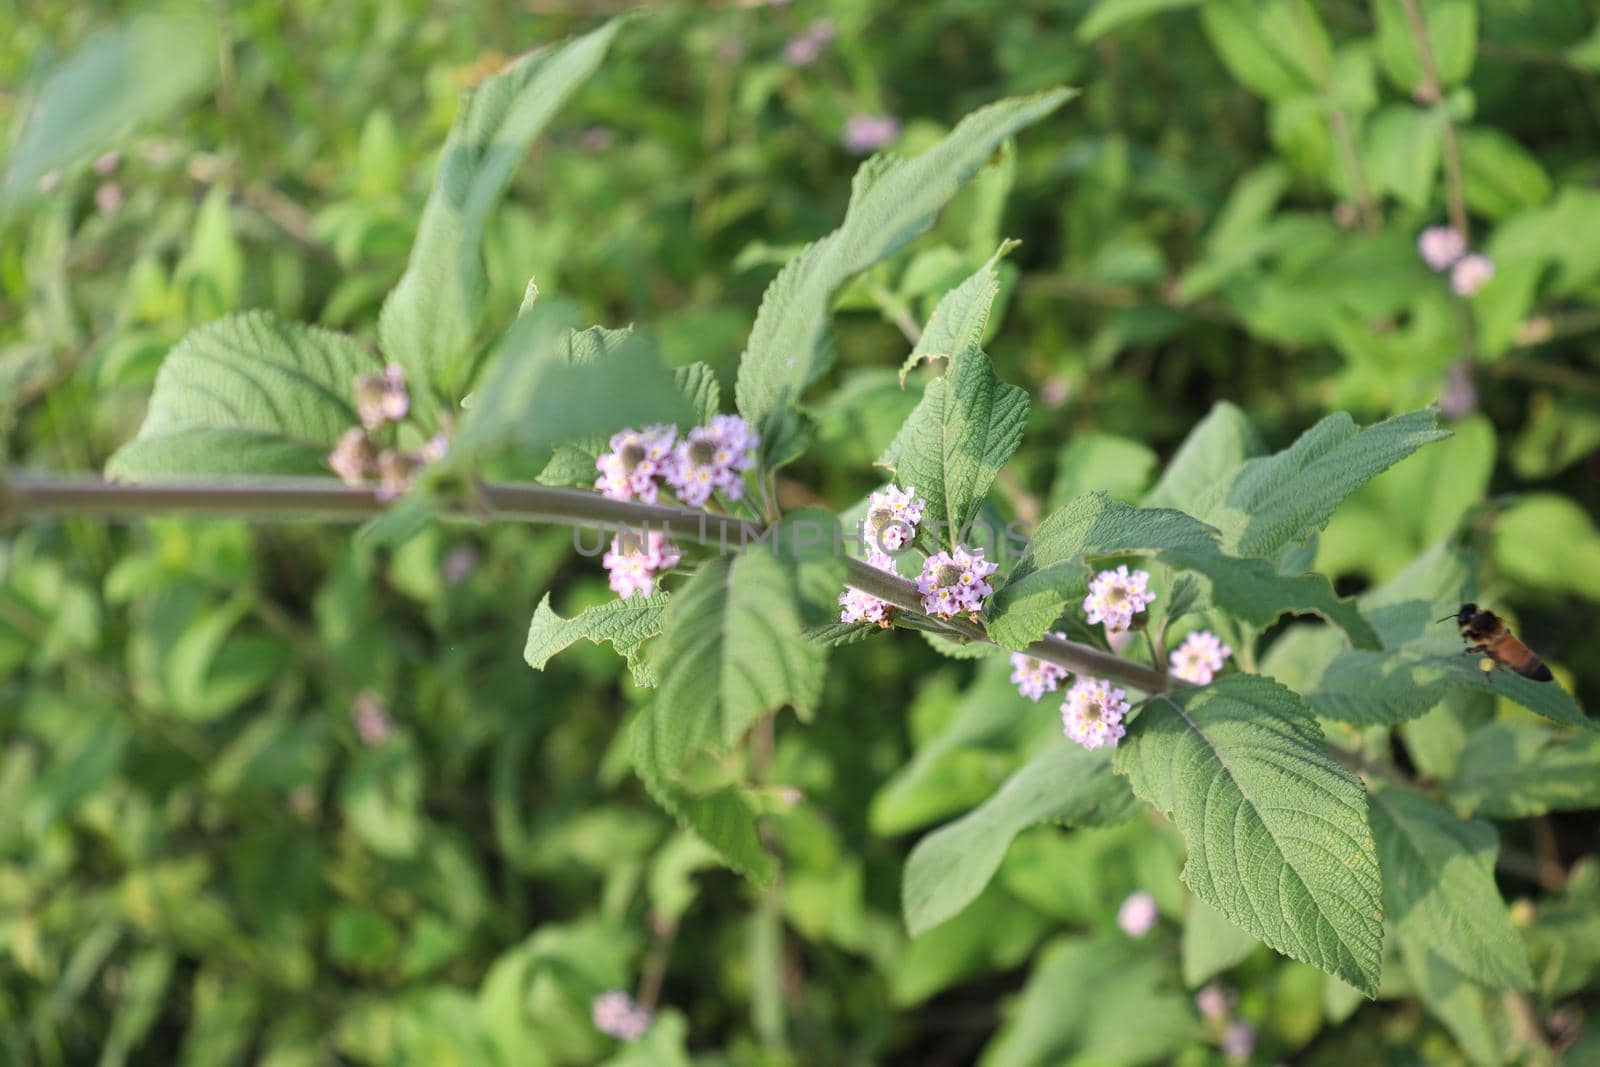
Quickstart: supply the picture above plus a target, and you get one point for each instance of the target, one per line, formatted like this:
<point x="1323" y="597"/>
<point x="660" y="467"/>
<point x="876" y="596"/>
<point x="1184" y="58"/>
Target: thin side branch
<point x="288" y="499"/>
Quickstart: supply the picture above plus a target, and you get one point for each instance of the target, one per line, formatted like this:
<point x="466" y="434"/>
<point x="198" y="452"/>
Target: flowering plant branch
<point x="288" y="499"/>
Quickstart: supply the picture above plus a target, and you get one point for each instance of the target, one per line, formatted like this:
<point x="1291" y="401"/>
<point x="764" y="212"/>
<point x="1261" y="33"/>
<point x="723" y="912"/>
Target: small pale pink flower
<point x="382" y="397"/>
<point x="397" y="472"/>
<point x="108" y="198"/>
<point x="712" y="458"/>
<point x="634" y="561"/>
<point x="107" y="164"/>
<point x="373" y="723"/>
<point x="353" y="458"/>
<point x="1441" y="246"/>
<point x="1092" y="713"/>
<point x="1213" y="1002"/>
<point x="1035" y="677"/>
<point x="864" y="134"/>
<point x="1137" y="914"/>
<point x="1470" y="274"/>
<point x="1199" y="658"/>
<point x="1116" y="597"/>
<point x="803" y="50"/>
<point x="638" y="458"/>
<point x="615" y="1014"/>
<point x="892" y="517"/>
<point x="857" y="606"/>
<point x="1239" y="1040"/>
<point x="956" y="583"/>
<point x="1459" y="397"/>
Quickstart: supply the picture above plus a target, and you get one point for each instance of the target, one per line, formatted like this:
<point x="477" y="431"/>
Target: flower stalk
<point x="324" y="500"/>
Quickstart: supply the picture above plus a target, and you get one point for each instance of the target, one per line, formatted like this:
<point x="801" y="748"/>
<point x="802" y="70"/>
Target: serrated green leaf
<point x="430" y="319"/>
<point x="950" y="867"/>
<point x="1276" y="829"/>
<point x="892" y="200"/>
<point x="627" y="623"/>
<point x="1052" y="574"/>
<point x="1515" y="770"/>
<point x="724" y="818"/>
<point x="535" y="396"/>
<point x="1439" y="888"/>
<point x="1284" y="498"/>
<point x="955" y="441"/>
<point x="961" y="316"/>
<point x="248" y="394"/>
<point x="1207" y="461"/>
<point x="118" y="80"/>
<point x="732" y="649"/>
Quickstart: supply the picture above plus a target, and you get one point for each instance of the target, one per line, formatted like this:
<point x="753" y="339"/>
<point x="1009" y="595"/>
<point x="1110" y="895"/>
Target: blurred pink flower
<point x="1137" y="914"/>
<point x="1470" y="274"/>
<point x="868" y="133"/>
<point x="1440" y="246"/>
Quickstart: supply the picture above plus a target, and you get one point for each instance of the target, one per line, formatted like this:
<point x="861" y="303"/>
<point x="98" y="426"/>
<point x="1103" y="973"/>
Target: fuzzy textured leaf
<point x="535" y="394"/>
<point x="892" y="200"/>
<point x="1053" y="572"/>
<point x="1439" y="888"/>
<point x="957" y="438"/>
<point x="1284" y="498"/>
<point x="248" y="394"/>
<point x="1276" y="829"/>
<point x="951" y="866"/>
<point x="961" y="316"/>
<point x="430" y="319"/>
<point x="626" y="622"/>
<point x="724" y="818"/>
<point x="1516" y="770"/>
<point x="732" y="649"/>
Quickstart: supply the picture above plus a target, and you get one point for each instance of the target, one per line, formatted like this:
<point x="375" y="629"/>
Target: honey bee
<point x="1486" y="633"/>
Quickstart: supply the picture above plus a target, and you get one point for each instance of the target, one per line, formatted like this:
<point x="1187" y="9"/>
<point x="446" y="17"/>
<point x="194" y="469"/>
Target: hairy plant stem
<point x="287" y="499"/>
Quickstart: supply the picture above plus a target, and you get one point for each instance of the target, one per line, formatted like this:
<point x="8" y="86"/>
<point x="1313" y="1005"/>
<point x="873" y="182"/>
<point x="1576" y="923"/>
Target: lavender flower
<point x="857" y="606"/>
<point x="1092" y="713"/>
<point x="864" y="134"/>
<point x="1199" y="658"/>
<point x="637" y="458"/>
<point x="1115" y="597"/>
<point x="1471" y="273"/>
<point x="108" y="198"/>
<point x="1213" y="1002"/>
<point x="1460" y="396"/>
<point x="397" y="473"/>
<point x="354" y="459"/>
<point x="373" y="723"/>
<point x="382" y="397"/>
<point x="1137" y="914"/>
<point x="954" y="584"/>
<point x="712" y="458"/>
<point x="1035" y="677"/>
<point x="1441" y="246"/>
<point x="634" y="561"/>
<point x="1239" y="1040"/>
<point x="615" y="1014"/>
<point x="892" y="517"/>
<point x="803" y="50"/>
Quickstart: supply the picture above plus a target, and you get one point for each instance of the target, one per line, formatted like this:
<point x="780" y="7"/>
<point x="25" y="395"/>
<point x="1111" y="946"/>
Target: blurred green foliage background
<point x="212" y="852"/>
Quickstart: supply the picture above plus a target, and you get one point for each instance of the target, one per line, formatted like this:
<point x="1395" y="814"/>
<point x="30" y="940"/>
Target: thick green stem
<point x="284" y="499"/>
